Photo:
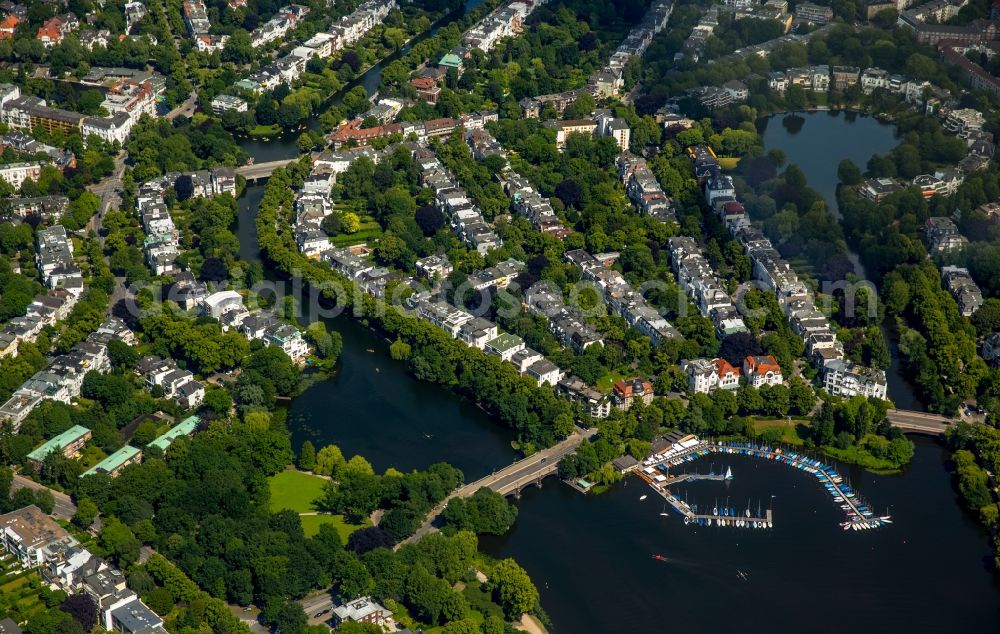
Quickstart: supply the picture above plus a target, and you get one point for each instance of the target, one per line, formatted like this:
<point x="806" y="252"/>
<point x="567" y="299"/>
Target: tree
<point x="121" y="354"/>
<point x="239" y="48"/>
<point x="307" y="456"/>
<point x="513" y="588"/>
<point x="369" y="538"/>
<point x="184" y="187"/>
<point x="86" y="512"/>
<point x="119" y="541"/>
<point x="848" y="172"/>
<point x="350" y="222"/>
<point x="429" y="219"/>
<point x="290" y="618"/>
<point x="82" y="608"/>
<point x="45" y="500"/>
<point x="329" y="461"/>
<point x="400" y="350"/>
<point x="160" y="600"/>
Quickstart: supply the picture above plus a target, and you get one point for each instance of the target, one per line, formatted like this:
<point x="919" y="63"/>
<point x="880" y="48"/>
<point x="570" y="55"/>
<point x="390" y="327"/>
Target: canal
<point x="284" y="146"/>
<point x="817" y="142"/>
<point x="372" y="407"/>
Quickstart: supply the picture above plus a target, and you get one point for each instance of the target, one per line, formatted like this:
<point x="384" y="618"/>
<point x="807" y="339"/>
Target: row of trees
<point x="539" y="417"/>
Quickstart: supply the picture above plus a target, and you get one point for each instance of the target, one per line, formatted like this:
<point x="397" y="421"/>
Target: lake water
<point x="592" y="556"/>
<point x="372" y="407"/>
<point x="817" y="142"/>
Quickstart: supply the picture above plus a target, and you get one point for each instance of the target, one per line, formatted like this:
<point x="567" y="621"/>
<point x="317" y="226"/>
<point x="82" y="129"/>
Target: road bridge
<point x="260" y="171"/>
<point x="919" y="422"/>
<point x="510" y="480"/>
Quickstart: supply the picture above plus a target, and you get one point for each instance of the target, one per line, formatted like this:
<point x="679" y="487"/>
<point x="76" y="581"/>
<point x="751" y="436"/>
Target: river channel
<point x="592" y="556"/>
<point x="817" y="142"/>
<point x="284" y="146"/>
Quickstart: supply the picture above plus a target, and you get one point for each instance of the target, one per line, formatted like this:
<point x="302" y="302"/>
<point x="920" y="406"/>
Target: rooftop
<point x="185" y="428"/>
<point x="114" y="461"/>
<point x="68" y="437"/>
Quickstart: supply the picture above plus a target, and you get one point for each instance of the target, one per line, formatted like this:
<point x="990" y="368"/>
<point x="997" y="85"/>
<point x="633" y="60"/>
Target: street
<point x="187" y="108"/>
<point x="316" y="604"/>
<point x="63" y="508"/>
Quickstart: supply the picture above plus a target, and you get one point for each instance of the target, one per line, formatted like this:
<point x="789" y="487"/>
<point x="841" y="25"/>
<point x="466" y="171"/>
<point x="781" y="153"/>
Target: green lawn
<point x="789" y="433"/>
<point x="606" y="382"/>
<point x="311" y="524"/>
<point x="266" y="130"/>
<point x="369" y="231"/>
<point x="295" y="490"/>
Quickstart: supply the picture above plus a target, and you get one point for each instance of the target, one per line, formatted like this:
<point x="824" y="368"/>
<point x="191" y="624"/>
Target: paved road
<point x="919" y="421"/>
<point x="261" y="170"/>
<point x="315" y="604"/>
<point x="63" y="508"/>
<point x="187" y="108"/>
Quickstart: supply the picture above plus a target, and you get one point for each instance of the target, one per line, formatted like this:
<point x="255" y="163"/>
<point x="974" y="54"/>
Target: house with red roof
<point x="728" y="375"/>
<point x="8" y="26"/>
<point x="55" y="29"/>
<point x="762" y="370"/>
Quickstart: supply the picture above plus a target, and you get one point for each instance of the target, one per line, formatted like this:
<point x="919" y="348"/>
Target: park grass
<point x="311" y="524"/>
<point x="789" y="429"/>
<point x="266" y="130"/>
<point x="295" y="491"/>
<point x="857" y="455"/>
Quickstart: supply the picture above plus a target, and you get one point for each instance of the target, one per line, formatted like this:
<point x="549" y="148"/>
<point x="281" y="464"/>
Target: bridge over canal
<point x="511" y="479"/>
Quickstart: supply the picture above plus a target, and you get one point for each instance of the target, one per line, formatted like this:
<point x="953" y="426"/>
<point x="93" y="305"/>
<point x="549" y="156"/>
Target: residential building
<point x="228" y="103"/>
<point x="809" y="12"/>
<point x="362" y="610"/>
<point x="26" y="532"/>
<point x="196" y="17"/>
<point x="133" y="617"/>
<point x="593" y="402"/>
<point x="17" y="173"/>
<point x="289" y="339"/>
<point x="762" y="370"/>
<point x="434" y="267"/>
<point x="876" y="189"/>
<point x="728" y="374"/>
<point x="504" y="346"/>
<point x="627" y="393"/>
<point x="702" y="377"/>
<point x="69" y="443"/>
<point x="573" y="126"/>
<point x="185" y="428"/>
<point x="942" y="236"/>
<point x="847" y="379"/>
<point x="56" y="28"/>
<point x="544" y="372"/>
<point x="116" y="462"/>
<point x="962" y="287"/>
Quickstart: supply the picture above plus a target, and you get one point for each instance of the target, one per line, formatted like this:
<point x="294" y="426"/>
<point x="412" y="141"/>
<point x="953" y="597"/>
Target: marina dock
<point x="729" y="517"/>
<point x="655" y="471"/>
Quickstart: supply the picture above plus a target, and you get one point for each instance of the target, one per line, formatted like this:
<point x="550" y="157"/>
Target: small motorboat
<point x="658" y="557"/>
<point x="642" y="497"/>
